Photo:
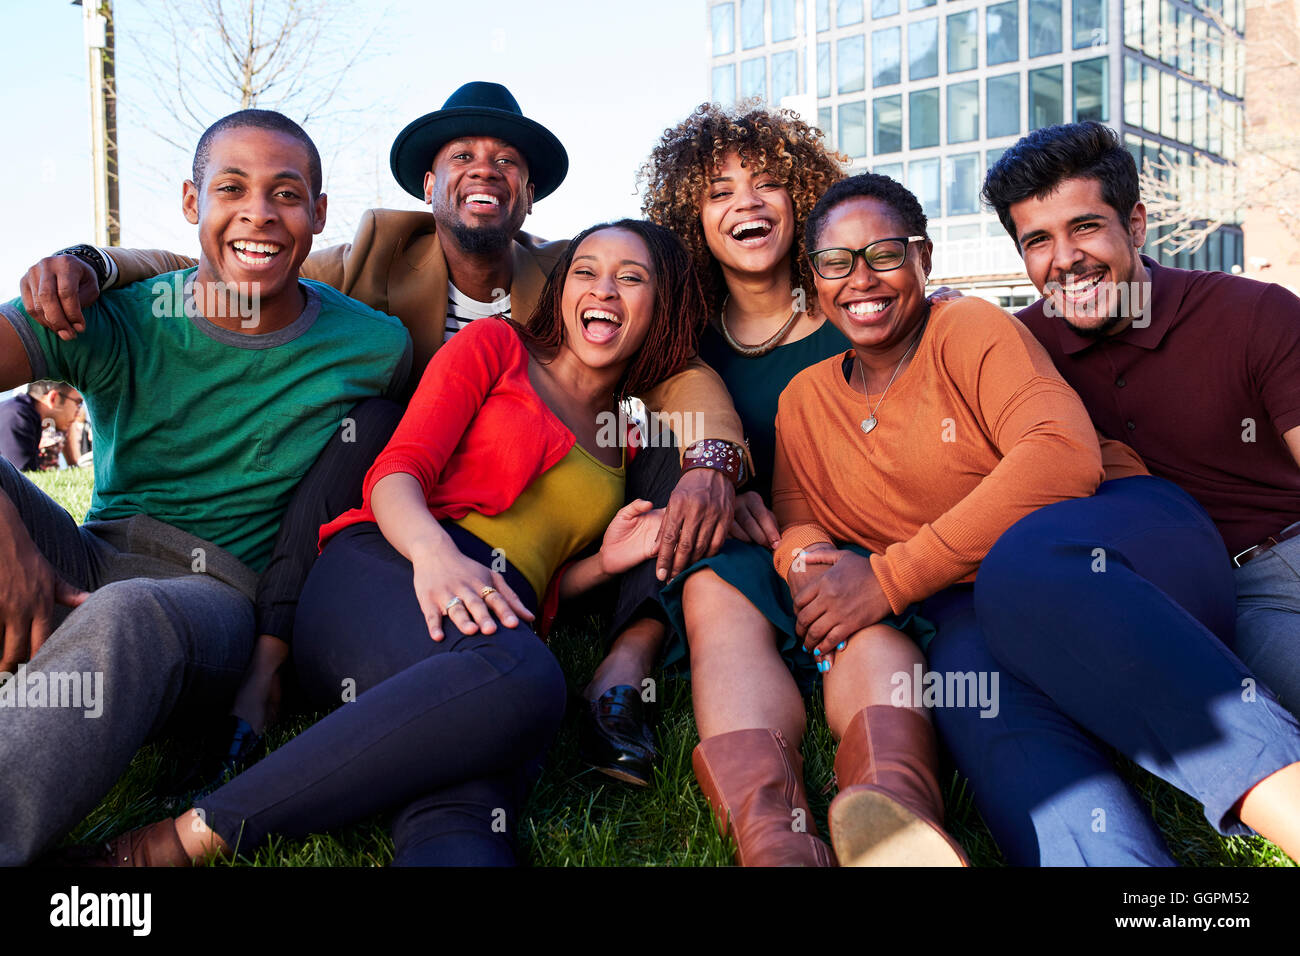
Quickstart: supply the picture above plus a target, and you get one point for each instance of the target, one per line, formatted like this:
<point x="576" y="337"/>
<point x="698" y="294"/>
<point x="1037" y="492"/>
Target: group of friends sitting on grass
<point x="374" y="472"/>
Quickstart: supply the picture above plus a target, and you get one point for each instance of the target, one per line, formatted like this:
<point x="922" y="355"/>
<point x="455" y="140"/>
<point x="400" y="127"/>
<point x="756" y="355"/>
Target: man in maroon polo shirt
<point x="1199" y="372"/>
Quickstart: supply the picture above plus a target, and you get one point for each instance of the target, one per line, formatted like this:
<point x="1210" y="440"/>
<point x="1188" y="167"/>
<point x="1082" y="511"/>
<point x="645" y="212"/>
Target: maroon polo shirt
<point x="1203" y="393"/>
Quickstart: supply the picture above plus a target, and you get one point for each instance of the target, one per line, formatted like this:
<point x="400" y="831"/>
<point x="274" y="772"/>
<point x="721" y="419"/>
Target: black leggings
<point x="447" y="734"/>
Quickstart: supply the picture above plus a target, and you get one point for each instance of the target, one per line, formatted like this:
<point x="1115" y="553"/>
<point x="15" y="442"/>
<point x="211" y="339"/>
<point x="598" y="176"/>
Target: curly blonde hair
<point x="776" y="141"/>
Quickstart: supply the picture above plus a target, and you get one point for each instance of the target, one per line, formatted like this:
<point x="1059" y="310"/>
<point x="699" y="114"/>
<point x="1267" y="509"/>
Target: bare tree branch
<point x="1263" y="173"/>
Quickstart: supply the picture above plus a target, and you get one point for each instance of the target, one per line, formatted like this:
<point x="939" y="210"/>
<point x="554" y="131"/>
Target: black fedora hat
<point x="478" y="109"/>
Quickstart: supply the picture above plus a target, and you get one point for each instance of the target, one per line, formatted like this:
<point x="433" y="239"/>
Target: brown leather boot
<point x="154" y="845"/>
<point x="754" y="780"/>
<point x="889" y="811"/>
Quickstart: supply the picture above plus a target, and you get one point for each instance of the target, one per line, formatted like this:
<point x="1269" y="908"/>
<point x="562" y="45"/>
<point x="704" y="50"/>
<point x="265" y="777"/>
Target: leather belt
<point x="1255" y="550"/>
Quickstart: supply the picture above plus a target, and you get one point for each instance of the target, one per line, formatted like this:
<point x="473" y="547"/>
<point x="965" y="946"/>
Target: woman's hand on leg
<point x="474" y="597"/>
<point x="841" y="602"/>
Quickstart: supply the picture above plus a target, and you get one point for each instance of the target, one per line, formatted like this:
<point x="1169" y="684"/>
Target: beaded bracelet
<point x="717" y="454"/>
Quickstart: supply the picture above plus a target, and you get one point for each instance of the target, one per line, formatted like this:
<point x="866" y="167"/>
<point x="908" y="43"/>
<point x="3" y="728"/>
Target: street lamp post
<point x="97" y="29"/>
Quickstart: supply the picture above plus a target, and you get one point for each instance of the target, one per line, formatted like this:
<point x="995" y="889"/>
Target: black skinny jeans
<point x="447" y="733"/>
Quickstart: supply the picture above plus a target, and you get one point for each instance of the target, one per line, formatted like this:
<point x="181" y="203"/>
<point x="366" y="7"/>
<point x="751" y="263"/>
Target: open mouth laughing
<point x="600" y="326"/>
<point x="751" y="232"/>
<point x="1081" y="289"/>
<point x="482" y="201"/>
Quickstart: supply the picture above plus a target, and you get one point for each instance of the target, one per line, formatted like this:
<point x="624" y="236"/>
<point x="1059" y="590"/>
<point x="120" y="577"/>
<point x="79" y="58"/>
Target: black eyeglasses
<point x="882" y="255"/>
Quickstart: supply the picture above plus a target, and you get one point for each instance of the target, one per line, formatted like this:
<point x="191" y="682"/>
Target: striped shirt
<point x="462" y="310"/>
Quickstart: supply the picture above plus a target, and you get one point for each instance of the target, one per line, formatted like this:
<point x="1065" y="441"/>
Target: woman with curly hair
<point x="737" y="186"/>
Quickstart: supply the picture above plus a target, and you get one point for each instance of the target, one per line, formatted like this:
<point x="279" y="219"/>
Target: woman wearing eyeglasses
<point x="737" y="187"/>
<point x="942" y="442"/>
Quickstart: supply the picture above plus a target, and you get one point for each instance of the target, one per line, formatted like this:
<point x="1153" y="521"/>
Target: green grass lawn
<point x="577" y="817"/>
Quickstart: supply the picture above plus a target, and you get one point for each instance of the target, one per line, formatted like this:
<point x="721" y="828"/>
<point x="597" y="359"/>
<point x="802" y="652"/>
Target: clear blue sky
<point x="607" y="78"/>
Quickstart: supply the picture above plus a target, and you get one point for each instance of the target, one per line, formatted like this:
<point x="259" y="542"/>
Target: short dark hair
<point x="258" y="119"/>
<point x="675" y="326"/>
<point x="1039" y="162"/>
<point x="44" y="386"/>
<point x="867" y="186"/>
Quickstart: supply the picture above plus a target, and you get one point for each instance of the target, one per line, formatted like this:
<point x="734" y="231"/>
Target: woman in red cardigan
<point x="418" y="615"/>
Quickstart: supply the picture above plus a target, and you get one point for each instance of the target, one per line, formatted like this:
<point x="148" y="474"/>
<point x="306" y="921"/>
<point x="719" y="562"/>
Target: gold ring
<point x="487" y="589"/>
<point x="451" y="604"/>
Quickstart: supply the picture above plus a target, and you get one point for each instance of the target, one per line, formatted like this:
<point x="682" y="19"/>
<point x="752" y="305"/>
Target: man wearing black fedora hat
<point x="480" y="164"/>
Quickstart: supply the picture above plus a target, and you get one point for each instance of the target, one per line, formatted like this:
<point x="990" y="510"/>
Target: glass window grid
<point x="1184" y="41"/>
<point x="1002" y="106"/>
<point x="1133" y="24"/>
<point x="1090" y="86"/>
<point x="961" y="176"/>
<point x="1064" y="57"/>
<point x="853" y="128"/>
<point x="724" y="84"/>
<point x="851" y="63"/>
<point x="1090" y="27"/>
<point x="1044" y="27"/>
<point x="825" y="123"/>
<point x="1002" y="33"/>
<point x="753" y="77"/>
<point x="924" y="182"/>
<point x="722" y="26"/>
<point x="785" y="75"/>
<point x="923" y="118"/>
<point x="1132" y="91"/>
<point x="887" y="124"/>
<point x="752" y="34"/>
<point x="848" y="12"/>
<point x="1167" y="39"/>
<point x="923" y="49"/>
<point x="963" y="111"/>
<point x="962" y="40"/>
<point x="1046" y="96"/>
<point x="886" y="50"/>
<point x="784" y="20"/>
<point x="1184" y="111"/>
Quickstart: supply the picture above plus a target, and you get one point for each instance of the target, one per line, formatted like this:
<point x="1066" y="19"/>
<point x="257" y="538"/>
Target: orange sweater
<point x="976" y="433"/>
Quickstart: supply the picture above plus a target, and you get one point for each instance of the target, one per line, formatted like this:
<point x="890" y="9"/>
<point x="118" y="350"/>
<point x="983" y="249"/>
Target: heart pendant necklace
<point x="870" y="421"/>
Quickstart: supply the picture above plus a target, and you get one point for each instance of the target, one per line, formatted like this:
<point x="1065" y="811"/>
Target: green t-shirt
<point x="206" y="429"/>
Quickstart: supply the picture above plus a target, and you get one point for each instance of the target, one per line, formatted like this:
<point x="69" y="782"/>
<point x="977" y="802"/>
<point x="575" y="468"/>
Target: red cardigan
<point x="475" y="435"/>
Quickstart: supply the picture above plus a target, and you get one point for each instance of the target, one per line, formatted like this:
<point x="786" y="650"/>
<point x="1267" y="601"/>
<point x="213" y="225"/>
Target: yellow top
<point x="564" y="509"/>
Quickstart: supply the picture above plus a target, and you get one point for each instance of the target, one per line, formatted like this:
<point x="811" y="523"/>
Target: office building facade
<point x="932" y="92"/>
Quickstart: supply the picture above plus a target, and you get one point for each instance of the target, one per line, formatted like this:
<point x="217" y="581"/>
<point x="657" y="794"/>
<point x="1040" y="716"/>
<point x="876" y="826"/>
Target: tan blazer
<point x="395" y="264"/>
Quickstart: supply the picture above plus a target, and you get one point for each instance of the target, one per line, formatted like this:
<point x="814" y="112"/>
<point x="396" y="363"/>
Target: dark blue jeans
<point x="446" y="734"/>
<point x="1107" y="621"/>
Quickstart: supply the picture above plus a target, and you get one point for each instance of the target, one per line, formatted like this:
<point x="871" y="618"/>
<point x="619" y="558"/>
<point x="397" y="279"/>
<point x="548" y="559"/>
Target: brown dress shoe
<point x="889" y="811"/>
<point x="754" y="781"/>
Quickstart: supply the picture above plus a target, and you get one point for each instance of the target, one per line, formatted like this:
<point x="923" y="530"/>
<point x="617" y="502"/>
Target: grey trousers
<point x="1268" y="620"/>
<point x="162" y="640"/>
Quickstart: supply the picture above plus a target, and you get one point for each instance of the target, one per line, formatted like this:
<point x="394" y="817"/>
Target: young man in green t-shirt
<point x="212" y="390"/>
